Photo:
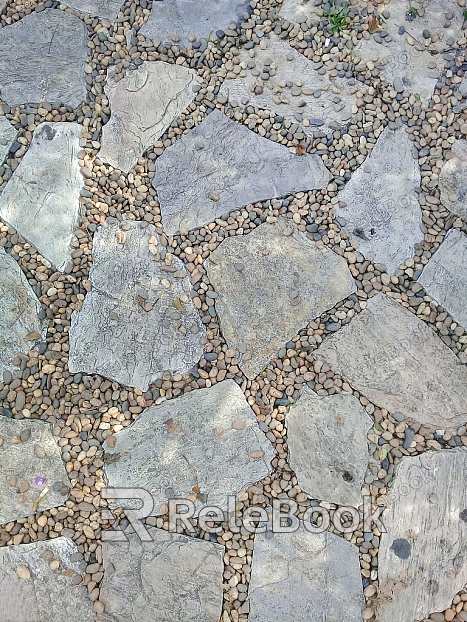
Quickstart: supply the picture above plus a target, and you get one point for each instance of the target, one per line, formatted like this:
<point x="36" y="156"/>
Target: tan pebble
<point x="23" y="572"/>
<point x="55" y="565"/>
<point x="257" y="453"/>
<point x="218" y="431"/>
<point x="99" y="606"/>
<point x="42" y="521"/>
<point x="238" y="425"/>
<point x="368" y="613"/>
<point x="12" y="481"/>
<point x="33" y="336"/>
<point x="39" y="451"/>
<point x="110" y="440"/>
<point x="24" y="487"/>
<point x="369" y="591"/>
<point x="121" y="237"/>
<point x="464" y="128"/>
<point x="48" y="368"/>
<point x="69" y="572"/>
<point x="15" y="440"/>
<point x="214" y="197"/>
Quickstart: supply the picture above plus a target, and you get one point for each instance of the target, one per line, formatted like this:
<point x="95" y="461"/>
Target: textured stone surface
<point x="41" y="200"/>
<point x="47" y="594"/>
<point x="270" y="283"/>
<point x="445" y="276"/>
<point x="382" y="211"/>
<point x="300" y="576"/>
<point x="143" y="105"/>
<point x="174" y="578"/>
<point x="453" y="180"/>
<point x="421" y="556"/>
<point x="19" y="312"/>
<point x="101" y="8"/>
<point x="7" y="135"/>
<point x="298" y="10"/>
<point x="42" y="58"/>
<point x="139" y="319"/>
<point x="399" y="363"/>
<point x="38" y="456"/>
<point x="328" y="446"/>
<point x="226" y="159"/>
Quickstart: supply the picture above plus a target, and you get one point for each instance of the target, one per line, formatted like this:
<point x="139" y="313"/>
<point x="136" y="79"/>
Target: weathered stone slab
<point x="222" y="165"/>
<point x="206" y="440"/>
<point x="301" y="576"/>
<point x="270" y="283"/>
<point x="42" y="201"/>
<point x="399" y="363"/>
<point x="298" y="10"/>
<point x="453" y="180"/>
<point x="421" y="554"/>
<point x="445" y="276"/>
<point x="42" y="58"/>
<point x="139" y="320"/>
<point x="328" y="446"/>
<point x="7" y="136"/>
<point x="174" y="578"/>
<point x="382" y="211"/>
<point x="47" y="594"/>
<point x="143" y="105"/>
<point x="107" y="9"/>
<point x="29" y="468"/>
<point x="19" y="312"/>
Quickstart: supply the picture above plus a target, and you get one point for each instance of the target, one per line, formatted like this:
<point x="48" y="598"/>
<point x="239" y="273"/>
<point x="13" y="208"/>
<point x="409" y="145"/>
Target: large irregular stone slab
<point x="41" y="200"/>
<point x="19" y="312"/>
<point x="302" y="576"/>
<point x="42" y="58"/>
<point x="423" y="548"/>
<point x="139" y="320"/>
<point x="399" y="363"/>
<point x="298" y="11"/>
<point x="328" y="446"/>
<point x="445" y="276"/>
<point x="453" y="180"/>
<point x="270" y="284"/>
<point x="33" y="474"/>
<point x="222" y="165"/>
<point x="7" y="135"/>
<point x="107" y="9"/>
<point x="206" y="442"/>
<point x="174" y="578"/>
<point x="143" y="105"/>
<point x="382" y="211"/>
<point x="30" y="590"/>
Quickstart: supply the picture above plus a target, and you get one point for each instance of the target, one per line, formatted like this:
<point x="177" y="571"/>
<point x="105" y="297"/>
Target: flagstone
<point x="7" y="136"/>
<point x="453" y="180"/>
<point x="107" y="9"/>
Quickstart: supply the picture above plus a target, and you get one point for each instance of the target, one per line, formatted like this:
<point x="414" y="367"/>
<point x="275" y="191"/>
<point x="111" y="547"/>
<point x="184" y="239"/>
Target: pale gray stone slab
<point x="302" y="576"/>
<point x="113" y="334"/>
<point x="47" y="594"/>
<point x="299" y="10"/>
<point x="270" y="284"/>
<point x="400" y="364"/>
<point x="453" y="180"/>
<point x="174" y="578"/>
<point x="19" y="312"/>
<point x="39" y="456"/>
<point x="382" y="211"/>
<point x="445" y="276"/>
<point x="328" y="446"/>
<point x="420" y="559"/>
<point x="41" y="200"/>
<point x="42" y="58"/>
<point x="7" y="136"/>
<point x="221" y="157"/>
<point x="143" y="104"/>
<point x="107" y="9"/>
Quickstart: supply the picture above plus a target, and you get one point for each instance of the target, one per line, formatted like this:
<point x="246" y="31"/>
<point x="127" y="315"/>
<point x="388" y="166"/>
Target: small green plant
<point x="465" y="15"/>
<point x="417" y="96"/>
<point x="337" y="18"/>
<point x="413" y="11"/>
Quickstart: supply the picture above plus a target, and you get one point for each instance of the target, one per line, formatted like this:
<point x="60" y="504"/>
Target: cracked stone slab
<point x="421" y="554"/>
<point x="270" y="284"/>
<point x="207" y="440"/>
<point x="400" y="364"/>
<point x="382" y="211"/>
<point x="143" y="104"/>
<point x="106" y="9"/>
<point x="42" y="202"/>
<point x="328" y="446"/>
<point x="445" y="276"/>
<point x="221" y="165"/>
<point x="7" y="136"/>
<point x="302" y="576"/>
<point x="43" y="594"/>
<point x="30" y="464"/>
<point x="298" y="11"/>
<point x="453" y="180"/>
<point x="19" y="312"/>
<point x="139" y="319"/>
<point x="173" y="578"/>
<point x="42" y="58"/>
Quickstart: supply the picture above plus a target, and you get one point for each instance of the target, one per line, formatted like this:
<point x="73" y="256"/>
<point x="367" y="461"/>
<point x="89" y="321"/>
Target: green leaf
<point x="382" y="453"/>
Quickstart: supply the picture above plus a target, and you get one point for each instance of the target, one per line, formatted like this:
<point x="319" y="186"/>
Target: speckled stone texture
<point x="7" y="136"/>
<point x="107" y="9"/>
<point x="453" y="180"/>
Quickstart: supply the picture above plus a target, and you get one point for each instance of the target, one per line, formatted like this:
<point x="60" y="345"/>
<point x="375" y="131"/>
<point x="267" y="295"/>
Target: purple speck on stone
<point x="39" y="481"/>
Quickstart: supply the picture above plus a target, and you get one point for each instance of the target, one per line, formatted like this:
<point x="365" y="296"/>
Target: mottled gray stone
<point x="143" y="105"/>
<point x="299" y="10"/>
<point x="382" y="211"/>
<point x="270" y="283"/>
<point x="400" y="364"/>
<point x="47" y="594"/>
<point x="19" y="312"/>
<point x="41" y="200"/>
<point x="224" y="158"/>
<point x="422" y="552"/>
<point x="101" y="8"/>
<point x="192" y="442"/>
<point x="139" y="320"/>
<point x="3" y="4"/>
<point x="42" y="58"/>
<point x="174" y="578"/>
<point x="21" y="461"/>
<point x="7" y="135"/>
<point x="445" y="276"/>
<point x="453" y="180"/>
<point x="328" y="446"/>
<point x="302" y="576"/>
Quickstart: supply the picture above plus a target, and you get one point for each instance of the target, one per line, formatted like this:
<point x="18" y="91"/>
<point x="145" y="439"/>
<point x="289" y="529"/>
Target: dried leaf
<point x="300" y="149"/>
<point x="196" y="489"/>
<point x="373" y="25"/>
<point x="33" y="336"/>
